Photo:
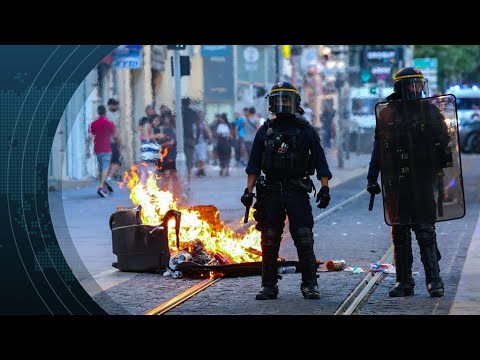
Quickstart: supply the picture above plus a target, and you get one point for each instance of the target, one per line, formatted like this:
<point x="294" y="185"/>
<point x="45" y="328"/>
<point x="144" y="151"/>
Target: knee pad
<point x="425" y="234"/>
<point x="303" y="237"/>
<point x="401" y="235"/>
<point x="270" y="239"/>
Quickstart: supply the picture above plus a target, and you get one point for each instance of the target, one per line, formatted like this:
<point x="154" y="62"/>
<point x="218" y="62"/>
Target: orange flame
<point x="215" y="236"/>
<point x="164" y="153"/>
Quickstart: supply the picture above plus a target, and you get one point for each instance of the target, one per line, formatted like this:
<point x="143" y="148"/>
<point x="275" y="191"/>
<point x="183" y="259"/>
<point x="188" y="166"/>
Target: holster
<point x="305" y="184"/>
<point x="261" y="188"/>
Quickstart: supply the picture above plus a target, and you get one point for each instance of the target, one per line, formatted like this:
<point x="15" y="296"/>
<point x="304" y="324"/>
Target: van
<point x="468" y="99"/>
<point x="361" y="111"/>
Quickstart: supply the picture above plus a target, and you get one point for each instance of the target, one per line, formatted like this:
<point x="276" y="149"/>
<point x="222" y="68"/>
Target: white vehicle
<point x="361" y="109"/>
<point x="468" y="100"/>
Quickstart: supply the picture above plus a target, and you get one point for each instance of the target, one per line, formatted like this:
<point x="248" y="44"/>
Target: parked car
<point x="469" y="136"/>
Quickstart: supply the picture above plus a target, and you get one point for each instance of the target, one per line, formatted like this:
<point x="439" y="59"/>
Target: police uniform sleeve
<point x="374" y="166"/>
<point x="318" y="155"/>
<point x="255" y="160"/>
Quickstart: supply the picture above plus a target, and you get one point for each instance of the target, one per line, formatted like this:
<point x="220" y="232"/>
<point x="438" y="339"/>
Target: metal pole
<point x="235" y="79"/>
<point x="342" y="106"/>
<point x="293" y="61"/>
<point x="339" y="135"/>
<point x="181" y="160"/>
<point x="128" y="118"/>
<point x="250" y="89"/>
<point x="147" y="73"/>
<point x="346" y="97"/>
<point x="277" y="65"/>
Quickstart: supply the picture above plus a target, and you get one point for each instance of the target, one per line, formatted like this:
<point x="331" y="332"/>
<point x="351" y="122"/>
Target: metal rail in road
<point x="185" y="295"/>
<point x="364" y="288"/>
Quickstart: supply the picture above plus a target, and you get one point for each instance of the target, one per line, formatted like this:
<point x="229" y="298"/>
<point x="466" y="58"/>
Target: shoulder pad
<point x="300" y="120"/>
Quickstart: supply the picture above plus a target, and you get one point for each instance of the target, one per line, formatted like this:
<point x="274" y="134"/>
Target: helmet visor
<point x="283" y="102"/>
<point x="414" y="88"/>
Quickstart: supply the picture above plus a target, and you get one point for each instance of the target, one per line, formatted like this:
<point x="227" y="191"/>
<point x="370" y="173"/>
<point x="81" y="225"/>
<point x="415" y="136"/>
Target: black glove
<point x="323" y="197"/>
<point x="247" y="198"/>
<point x="373" y="187"/>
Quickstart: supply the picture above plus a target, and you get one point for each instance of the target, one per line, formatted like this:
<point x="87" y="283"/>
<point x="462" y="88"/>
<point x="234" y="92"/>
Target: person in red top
<point x="101" y="131"/>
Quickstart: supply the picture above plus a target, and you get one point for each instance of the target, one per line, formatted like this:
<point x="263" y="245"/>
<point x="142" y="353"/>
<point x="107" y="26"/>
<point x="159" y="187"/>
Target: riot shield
<point x="420" y="160"/>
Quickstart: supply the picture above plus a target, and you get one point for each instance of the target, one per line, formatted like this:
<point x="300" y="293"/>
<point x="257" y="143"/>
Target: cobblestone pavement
<point x="230" y="296"/>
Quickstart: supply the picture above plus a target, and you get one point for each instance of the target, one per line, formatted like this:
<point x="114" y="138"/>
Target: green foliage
<point x="456" y="63"/>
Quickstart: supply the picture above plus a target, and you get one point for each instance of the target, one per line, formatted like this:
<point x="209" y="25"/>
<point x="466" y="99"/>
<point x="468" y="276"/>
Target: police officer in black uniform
<point x="287" y="150"/>
<point x="401" y="204"/>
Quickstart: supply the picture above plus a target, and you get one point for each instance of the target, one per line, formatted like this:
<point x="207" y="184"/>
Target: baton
<point x="247" y="212"/>
<point x="370" y="205"/>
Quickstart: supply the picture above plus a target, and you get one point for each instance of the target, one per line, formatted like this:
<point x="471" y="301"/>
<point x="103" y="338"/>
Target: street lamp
<point x="344" y="89"/>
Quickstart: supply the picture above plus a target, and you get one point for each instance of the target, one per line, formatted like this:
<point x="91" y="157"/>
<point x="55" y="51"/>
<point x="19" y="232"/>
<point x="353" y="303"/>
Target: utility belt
<point x="280" y="184"/>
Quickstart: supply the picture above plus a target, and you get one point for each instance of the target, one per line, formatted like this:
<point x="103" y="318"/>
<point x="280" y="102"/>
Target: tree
<point x="456" y="63"/>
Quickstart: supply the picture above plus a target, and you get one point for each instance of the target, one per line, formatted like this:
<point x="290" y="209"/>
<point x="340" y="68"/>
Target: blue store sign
<point x="127" y="57"/>
<point x="218" y="75"/>
<point x="215" y="50"/>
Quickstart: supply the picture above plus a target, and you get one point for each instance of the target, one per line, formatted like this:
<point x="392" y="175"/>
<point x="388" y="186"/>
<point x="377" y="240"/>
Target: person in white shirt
<point x="224" y="145"/>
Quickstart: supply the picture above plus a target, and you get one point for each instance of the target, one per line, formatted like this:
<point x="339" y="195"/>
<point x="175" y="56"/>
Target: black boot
<point x="402" y="240"/>
<point x="430" y="256"/>
<point x="267" y="293"/>
<point x="310" y="291"/>
<point x="405" y="284"/>
<point x="303" y="239"/>
<point x="270" y="246"/>
<point x="427" y="240"/>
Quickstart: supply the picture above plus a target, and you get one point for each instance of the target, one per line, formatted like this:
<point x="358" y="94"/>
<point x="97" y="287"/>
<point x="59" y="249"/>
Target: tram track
<point x="184" y="295"/>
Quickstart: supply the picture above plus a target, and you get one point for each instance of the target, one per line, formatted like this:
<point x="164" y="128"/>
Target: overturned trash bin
<point x="139" y="247"/>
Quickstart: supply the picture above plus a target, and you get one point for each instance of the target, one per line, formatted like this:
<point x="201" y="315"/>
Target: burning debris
<point x="197" y="249"/>
<point x="192" y="251"/>
<point x="196" y="233"/>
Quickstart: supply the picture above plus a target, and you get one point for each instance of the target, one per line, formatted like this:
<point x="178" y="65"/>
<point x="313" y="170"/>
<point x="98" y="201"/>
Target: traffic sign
<point x="251" y="54"/>
<point x="429" y="68"/>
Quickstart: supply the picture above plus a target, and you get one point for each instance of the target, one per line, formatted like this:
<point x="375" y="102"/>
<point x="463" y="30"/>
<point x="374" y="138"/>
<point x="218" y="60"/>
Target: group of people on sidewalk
<point x="158" y="143"/>
<point x="158" y="148"/>
<point x="234" y="138"/>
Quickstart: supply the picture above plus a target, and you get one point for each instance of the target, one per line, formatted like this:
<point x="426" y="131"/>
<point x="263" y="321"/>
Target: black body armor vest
<point x="286" y="155"/>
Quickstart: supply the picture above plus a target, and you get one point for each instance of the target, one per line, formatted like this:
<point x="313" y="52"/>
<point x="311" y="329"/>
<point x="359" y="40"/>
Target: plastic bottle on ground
<point x="286" y="270"/>
<point x="336" y="265"/>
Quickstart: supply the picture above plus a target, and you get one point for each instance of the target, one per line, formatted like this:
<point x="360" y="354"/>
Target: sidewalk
<point x="467" y="298"/>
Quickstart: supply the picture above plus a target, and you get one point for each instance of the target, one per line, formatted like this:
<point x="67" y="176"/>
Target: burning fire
<point x="217" y="238"/>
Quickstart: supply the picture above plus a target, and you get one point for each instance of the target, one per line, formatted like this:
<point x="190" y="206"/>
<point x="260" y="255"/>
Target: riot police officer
<point x="411" y="150"/>
<point x="287" y="150"/>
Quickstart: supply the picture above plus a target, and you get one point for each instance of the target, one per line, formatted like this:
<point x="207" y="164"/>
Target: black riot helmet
<point x="284" y="99"/>
<point x="410" y="83"/>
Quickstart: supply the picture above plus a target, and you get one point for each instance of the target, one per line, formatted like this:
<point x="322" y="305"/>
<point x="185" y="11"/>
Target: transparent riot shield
<point x="420" y="160"/>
